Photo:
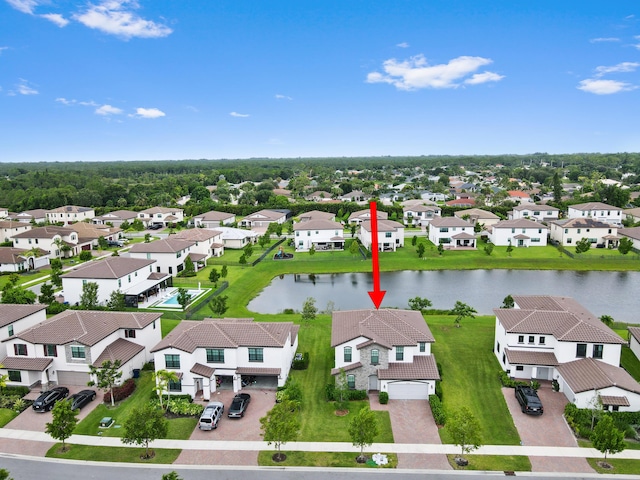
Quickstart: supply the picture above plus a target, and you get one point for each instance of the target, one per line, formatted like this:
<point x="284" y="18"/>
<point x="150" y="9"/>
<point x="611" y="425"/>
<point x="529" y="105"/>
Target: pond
<point x="603" y="293"/>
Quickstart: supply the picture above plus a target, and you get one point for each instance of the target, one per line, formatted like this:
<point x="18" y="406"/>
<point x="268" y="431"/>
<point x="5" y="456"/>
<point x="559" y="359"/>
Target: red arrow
<point x="377" y="295"/>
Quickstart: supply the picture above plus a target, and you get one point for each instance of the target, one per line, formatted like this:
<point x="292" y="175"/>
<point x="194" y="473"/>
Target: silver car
<point x="210" y="416"/>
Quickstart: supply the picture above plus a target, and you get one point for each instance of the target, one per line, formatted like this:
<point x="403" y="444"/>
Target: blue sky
<point x="165" y="79"/>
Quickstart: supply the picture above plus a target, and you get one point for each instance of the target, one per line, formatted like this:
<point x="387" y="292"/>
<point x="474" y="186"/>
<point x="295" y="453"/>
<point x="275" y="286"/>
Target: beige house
<point x="70" y="214"/>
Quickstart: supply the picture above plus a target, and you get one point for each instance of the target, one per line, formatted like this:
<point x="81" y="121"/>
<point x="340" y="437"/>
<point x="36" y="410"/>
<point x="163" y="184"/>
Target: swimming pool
<point x="172" y="301"/>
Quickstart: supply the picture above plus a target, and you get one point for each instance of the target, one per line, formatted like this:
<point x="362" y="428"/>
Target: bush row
<point x="330" y="390"/>
<point x="301" y="364"/>
<point x="181" y="406"/>
<point x="437" y="409"/>
<point x="580" y="420"/>
<point x="121" y="392"/>
<point x="509" y="382"/>
<point x="17" y="390"/>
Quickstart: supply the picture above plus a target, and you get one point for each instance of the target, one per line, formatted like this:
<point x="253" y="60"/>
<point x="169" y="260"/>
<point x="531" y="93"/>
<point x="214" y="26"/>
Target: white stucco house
<point x="161" y="216"/>
<point x="632" y="234"/>
<point x="634" y="340"/>
<point x="316" y="215"/>
<point x="364" y="215"/>
<point x="69" y="214"/>
<point x="207" y="244"/>
<point x="321" y="234"/>
<point x="477" y="215"/>
<point x="598" y="211"/>
<point x="535" y="212"/>
<point x="213" y="219"/>
<point x="20" y="260"/>
<point x="116" y="218"/>
<point x="4" y="212"/>
<point x="10" y="228"/>
<point x="169" y="253"/>
<point x="632" y="214"/>
<point x="136" y="278"/>
<point x="201" y="352"/>
<point x="518" y="233"/>
<point x="37" y="216"/>
<point x="385" y="350"/>
<point x="263" y="218"/>
<point x="51" y="239"/>
<point x="16" y="318"/>
<point x="556" y="338"/>
<point x="452" y="232"/>
<point x="390" y="235"/>
<point x="59" y="350"/>
<point x="569" y="231"/>
<point x="420" y="215"/>
<point x="236" y="238"/>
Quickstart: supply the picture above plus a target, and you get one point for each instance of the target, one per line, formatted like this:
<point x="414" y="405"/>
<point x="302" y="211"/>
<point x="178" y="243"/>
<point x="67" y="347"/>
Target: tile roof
<point x="12" y="224"/>
<point x="633" y="232"/>
<point x="10" y="312"/>
<point x="121" y="349"/>
<point x="383" y="225"/>
<point x="153" y="210"/>
<point x="26" y="363"/>
<point x="265" y="214"/>
<point x="594" y="206"/>
<point x="317" y="215"/>
<point x="387" y="327"/>
<point x="365" y="214"/>
<point x="526" y="357"/>
<point x="450" y="222"/>
<point x="346" y="368"/>
<point x="258" y="371"/>
<point x="519" y="223"/>
<point x="13" y="256"/>
<point x="109" y="268"/>
<point x="70" y="209"/>
<point x="581" y="223"/>
<point x="589" y="374"/>
<point x="167" y="245"/>
<point x="562" y="317"/>
<point x="634" y="331"/>
<point x="534" y="207"/>
<point x="422" y="208"/>
<point x="87" y="327"/>
<point x="423" y="367"/>
<point x="119" y="215"/>
<point x="226" y="333"/>
<point x="613" y="400"/>
<point x="204" y="370"/>
<point x="197" y="234"/>
<point x="49" y="231"/>
<point x="214" y="216"/>
<point x="463" y="236"/>
<point x="318" y="224"/>
<point x="476" y="213"/>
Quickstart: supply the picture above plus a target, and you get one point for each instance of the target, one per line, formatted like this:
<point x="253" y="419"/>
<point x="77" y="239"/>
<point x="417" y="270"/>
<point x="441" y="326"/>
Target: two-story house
<point x="316" y="215"/>
<point x="58" y="241"/>
<point x="518" y="233"/>
<point x="556" y="338"/>
<point x="385" y="350"/>
<point x="36" y="216"/>
<point x="365" y="215"/>
<point x="390" y="235"/>
<point x="169" y="253"/>
<point x="452" y="232"/>
<point x="420" y="215"/>
<point x="116" y="218"/>
<point x="535" y="212"/>
<point x="9" y="228"/>
<point x="208" y="243"/>
<point x="19" y="260"/>
<point x="161" y="216"/>
<point x="237" y="238"/>
<point x="211" y="350"/>
<point x="477" y="216"/>
<point x="89" y="234"/>
<point x="15" y="318"/>
<point x="569" y="231"/>
<point x="213" y="219"/>
<point x="60" y="349"/>
<point x="263" y="218"/>
<point x="319" y="234"/>
<point x="70" y="214"/>
<point x="632" y="234"/>
<point x="597" y="211"/>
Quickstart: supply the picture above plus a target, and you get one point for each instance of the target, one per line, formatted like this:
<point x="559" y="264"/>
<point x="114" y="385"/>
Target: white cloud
<point x="403" y="45"/>
<point x="604" y="39"/>
<point x="623" y="67"/>
<point x="24" y="89"/>
<point x="239" y="115"/>
<point x="66" y="101"/>
<point x="106" y="110"/>
<point x="115" y="17"/>
<point x="604" y="87"/>
<point x="283" y="97"/>
<point x="415" y="73"/>
<point x="56" y="18"/>
<point x="478" y="78"/>
<point x="148" y="113"/>
<point x="2" y="49"/>
<point x="24" y="6"/>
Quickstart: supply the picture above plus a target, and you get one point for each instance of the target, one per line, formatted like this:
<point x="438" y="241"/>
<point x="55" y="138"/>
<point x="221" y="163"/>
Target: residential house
<point x="632" y="214"/>
<point x="319" y="196"/>
<point x="533" y="211"/>
<point x="365" y="215"/>
<point x="556" y="338"/>
<point x="70" y="214"/>
<point x="4" y="212"/>
<point x="518" y="233"/>
<point x="208" y="243"/>
<point x="477" y="216"/>
<point x="237" y="238"/>
<point x="161" y="216"/>
<point x="518" y="197"/>
<point x="263" y="218"/>
<point x="116" y="218"/>
<point x="452" y="232"/>
<point x="202" y="352"/>
<point x="213" y="219"/>
<point x="59" y="350"/>
<point x="461" y="202"/>
<point x="633" y="234"/>
<point x="420" y="215"/>
<point x="9" y="228"/>
<point x="18" y="260"/>
<point x="89" y="234"/>
<point x="355" y="196"/>
<point x="634" y="340"/>
<point x="385" y="350"/>
<point x="390" y="235"/>
<point x="134" y="277"/>
<point x="597" y="211"/>
<point x="568" y="232"/>
<point x="36" y="216"/>
<point x="57" y="241"/>
<point x="16" y="318"/>
<point x="169" y="253"/>
<point x="319" y="234"/>
<point x="317" y="215"/>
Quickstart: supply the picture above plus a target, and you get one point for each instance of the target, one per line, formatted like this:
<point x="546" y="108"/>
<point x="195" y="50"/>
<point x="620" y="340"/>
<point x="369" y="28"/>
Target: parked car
<point x="47" y="400"/>
<point x="80" y="399"/>
<point x="529" y="401"/>
<point x="115" y="243"/>
<point x="155" y="226"/>
<point x="239" y="405"/>
<point x="211" y="415"/>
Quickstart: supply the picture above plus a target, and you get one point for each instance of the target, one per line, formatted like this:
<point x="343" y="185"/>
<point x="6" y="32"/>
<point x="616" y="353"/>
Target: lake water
<point x="603" y="293"/>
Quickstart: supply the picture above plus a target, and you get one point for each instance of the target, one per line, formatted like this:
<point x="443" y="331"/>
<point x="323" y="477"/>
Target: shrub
<point x="121" y="392"/>
<point x="149" y="367"/>
<point x="329" y="392"/>
<point x="509" y="382"/>
<point x="357" y="394"/>
<point x="330" y="389"/>
<point x="85" y="255"/>
<point x="301" y="364"/>
<point x="15" y="390"/>
<point x="439" y="392"/>
<point x="437" y="410"/>
<point x="56" y="307"/>
<point x="288" y="311"/>
<point x="384" y="398"/>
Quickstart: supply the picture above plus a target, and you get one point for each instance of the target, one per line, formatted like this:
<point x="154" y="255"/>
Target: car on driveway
<point x="80" y="399"/>
<point x="211" y="415"/>
<point x="47" y="400"/>
<point x="239" y="405"/>
<point x="529" y="401"/>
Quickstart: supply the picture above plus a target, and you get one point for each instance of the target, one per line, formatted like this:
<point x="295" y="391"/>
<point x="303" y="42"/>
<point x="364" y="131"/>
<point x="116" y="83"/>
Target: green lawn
<point x="112" y="454"/>
<point x="505" y="463"/>
<point x="321" y="459"/>
<point x="620" y="466"/>
<point x="6" y="415"/>
<point x="630" y="362"/>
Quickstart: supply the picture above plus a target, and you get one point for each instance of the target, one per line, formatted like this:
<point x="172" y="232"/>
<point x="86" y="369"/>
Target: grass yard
<point x="112" y="454"/>
<point x="6" y="415"/>
<point x="505" y="463"/>
<point x="630" y="362"/>
<point x="320" y="459"/>
<point x="620" y="466"/>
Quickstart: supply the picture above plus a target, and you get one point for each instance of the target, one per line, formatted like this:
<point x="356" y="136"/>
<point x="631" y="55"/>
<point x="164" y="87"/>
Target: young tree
<point x="462" y="310"/>
<point x="419" y="303"/>
<point x="625" y="245"/>
<point x="280" y="426"/>
<point x="56" y="271"/>
<point x="102" y="243"/>
<point x="147" y="237"/>
<point x="162" y="379"/>
<point x="341" y="392"/>
<point x="145" y="424"/>
<point x="465" y="430"/>
<point x="183" y="297"/>
<point x="85" y="255"/>
<point x="414" y="240"/>
<point x="63" y="422"/>
<point x="309" y="310"/>
<point x="354" y="248"/>
<point x="420" y="249"/>
<point x="137" y="225"/>
<point x="218" y="305"/>
<point x="363" y="429"/>
<point x="508" y="302"/>
<point x="606" y="437"/>
<point x="353" y="228"/>
<point x="214" y="276"/>
<point x="583" y="245"/>
<point x="106" y="376"/>
<point x="243" y="259"/>
<point x="224" y="272"/>
<point x="47" y="295"/>
<point x="488" y="249"/>
<point x="116" y="301"/>
<point x="89" y="296"/>
<point x="189" y="267"/>
<point x="248" y="250"/>
<point x="509" y="249"/>
<point x="596" y="408"/>
<point x="440" y="249"/>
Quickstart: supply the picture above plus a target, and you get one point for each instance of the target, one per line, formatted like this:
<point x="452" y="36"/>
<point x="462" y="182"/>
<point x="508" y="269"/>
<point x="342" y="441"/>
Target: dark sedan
<point x="80" y="399"/>
<point x="47" y="400"/>
<point x="239" y="405"/>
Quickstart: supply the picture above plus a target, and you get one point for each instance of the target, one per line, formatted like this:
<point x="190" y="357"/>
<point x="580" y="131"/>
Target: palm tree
<point x="163" y="378"/>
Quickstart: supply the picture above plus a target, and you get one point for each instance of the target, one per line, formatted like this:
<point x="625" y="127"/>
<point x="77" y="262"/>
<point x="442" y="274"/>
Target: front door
<point x="373" y="382"/>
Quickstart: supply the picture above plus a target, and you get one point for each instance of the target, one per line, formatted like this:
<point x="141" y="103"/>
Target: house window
<point x="387" y="234"/>
<point x="520" y="338"/>
<point x="119" y="283"/>
<point x="597" y="351"/>
<point x="175" y="386"/>
<point x="14" y="376"/>
<point x="297" y="234"/>
<point x="519" y="368"/>
<point x="50" y="350"/>
<point x="422" y="346"/>
<point x="497" y="346"/>
<point x="399" y="354"/>
<point x="532" y="339"/>
<point x="347" y="354"/>
<point x="20" y="349"/>
<point x="170" y="270"/>
<point x="256" y="355"/>
<point x="444" y="229"/>
<point x="10" y="330"/>
<point x="351" y="381"/>
<point x="581" y="350"/>
<point x="172" y="361"/>
<point x="542" y="340"/>
<point x="77" y="351"/>
<point x="129" y="278"/>
<point x="129" y="333"/>
<point x="215" y="355"/>
<point x="375" y="356"/>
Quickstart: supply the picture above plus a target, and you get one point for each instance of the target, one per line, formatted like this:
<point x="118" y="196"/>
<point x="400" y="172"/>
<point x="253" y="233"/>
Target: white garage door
<point x="408" y="391"/>
<point x="73" y="378"/>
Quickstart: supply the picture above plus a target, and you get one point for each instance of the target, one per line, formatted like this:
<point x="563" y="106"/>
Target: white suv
<point x="210" y="416"/>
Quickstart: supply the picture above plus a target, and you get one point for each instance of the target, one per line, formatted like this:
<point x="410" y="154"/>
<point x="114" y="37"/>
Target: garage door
<point x="73" y="378"/>
<point x="408" y="391"/>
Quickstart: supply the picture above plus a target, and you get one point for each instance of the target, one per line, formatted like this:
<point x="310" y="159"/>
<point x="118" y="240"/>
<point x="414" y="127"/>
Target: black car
<point x="239" y="405"/>
<point x="115" y="243"/>
<point x="529" y="401"/>
<point x="47" y="400"/>
<point x="80" y="399"/>
<point x="155" y="226"/>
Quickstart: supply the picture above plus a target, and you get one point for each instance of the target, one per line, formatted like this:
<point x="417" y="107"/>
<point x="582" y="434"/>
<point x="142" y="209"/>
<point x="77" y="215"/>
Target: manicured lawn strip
<point x="112" y="454"/>
<point x="470" y="376"/>
<point x="505" y="463"/>
<point x="6" y="415"/>
<point x="167" y="325"/>
<point x="630" y="445"/>
<point x="630" y="362"/>
<point x="320" y="459"/>
<point x="620" y="466"/>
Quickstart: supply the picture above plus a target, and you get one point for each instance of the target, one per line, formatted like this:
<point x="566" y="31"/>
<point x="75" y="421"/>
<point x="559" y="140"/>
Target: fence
<point x="204" y="302"/>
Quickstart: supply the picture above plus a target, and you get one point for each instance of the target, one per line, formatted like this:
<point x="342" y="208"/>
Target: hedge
<point x="121" y="392"/>
<point x="437" y="409"/>
<point x="301" y="364"/>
